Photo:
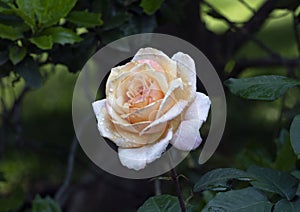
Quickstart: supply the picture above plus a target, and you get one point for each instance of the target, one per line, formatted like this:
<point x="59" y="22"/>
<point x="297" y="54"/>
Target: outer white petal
<point x="187" y="136"/>
<point x="186" y="69"/>
<point x="104" y="124"/>
<point x="187" y="72"/>
<point x="138" y="158"/>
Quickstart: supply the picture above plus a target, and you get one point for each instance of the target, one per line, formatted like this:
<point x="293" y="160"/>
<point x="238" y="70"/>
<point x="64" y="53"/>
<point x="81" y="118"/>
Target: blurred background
<point x="42" y="166"/>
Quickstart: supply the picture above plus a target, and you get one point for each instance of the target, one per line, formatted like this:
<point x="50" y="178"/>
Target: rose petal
<point x="187" y="69"/>
<point x="187" y="135"/>
<point x="138" y="140"/>
<point x="145" y="113"/>
<point x="169" y="100"/>
<point x="138" y="158"/>
<point x="187" y="72"/>
<point x="161" y="58"/>
<point x="103" y="120"/>
<point x="199" y="108"/>
<point x="171" y="114"/>
<point x="108" y="130"/>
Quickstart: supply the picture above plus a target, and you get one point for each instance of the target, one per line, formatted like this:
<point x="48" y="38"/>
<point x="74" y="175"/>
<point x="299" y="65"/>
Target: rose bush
<point x="151" y="102"/>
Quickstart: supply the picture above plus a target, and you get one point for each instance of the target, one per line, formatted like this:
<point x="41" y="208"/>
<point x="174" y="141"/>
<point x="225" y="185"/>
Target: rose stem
<point x="178" y="190"/>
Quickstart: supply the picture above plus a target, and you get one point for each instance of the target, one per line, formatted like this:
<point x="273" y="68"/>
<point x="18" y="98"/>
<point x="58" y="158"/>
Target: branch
<point x="178" y="190"/>
<point x="296" y="33"/>
<point x="241" y="36"/>
<point x="61" y="191"/>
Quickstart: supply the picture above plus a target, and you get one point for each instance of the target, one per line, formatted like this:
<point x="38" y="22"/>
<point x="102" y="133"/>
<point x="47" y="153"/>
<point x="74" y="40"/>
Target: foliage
<point x="44" y="205"/>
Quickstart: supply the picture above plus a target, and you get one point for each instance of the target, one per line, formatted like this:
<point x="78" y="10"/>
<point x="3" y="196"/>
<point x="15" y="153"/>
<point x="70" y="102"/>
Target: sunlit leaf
<point x="151" y="6"/>
<point x="261" y="87"/>
<point x="61" y="35"/>
<point x="217" y="179"/>
<point x="275" y="181"/>
<point x="43" y="42"/>
<point x="85" y="18"/>
<point x="51" y="11"/>
<point x="26" y="12"/>
<point x="9" y="32"/>
<point x="295" y="135"/>
<point x="244" y="200"/>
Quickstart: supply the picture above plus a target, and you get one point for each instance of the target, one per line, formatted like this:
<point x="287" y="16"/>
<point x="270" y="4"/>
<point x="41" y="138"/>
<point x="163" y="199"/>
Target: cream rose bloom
<point x="151" y="102"/>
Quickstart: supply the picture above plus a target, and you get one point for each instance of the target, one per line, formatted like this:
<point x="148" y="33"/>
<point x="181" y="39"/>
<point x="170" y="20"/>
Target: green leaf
<point x="17" y="54"/>
<point x="62" y="35"/>
<point x="43" y="42"/>
<point x="151" y="6"/>
<point x="44" y="205"/>
<point x="285" y="158"/>
<point x="296" y="173"/>
<point x="163" y="203"/>
<point x="11" y="33"/>
<point x="85" y="19"/>
<point x="284" y="205"/>
<point x="217" y="179"/>
<point x="295" y="135"/>
<point x="51" y="11"/>
<point x="3" y="57"/>
<point x="116" y="21"/>
<point x="26" y="12"/>
<point x="261" y="87"/>
<point x="14" y="201"/>
<point x="29" y="71"/>
<point x="244" y="200"/>
<point x="271" y="180"/>
<point x="75" y="56"/>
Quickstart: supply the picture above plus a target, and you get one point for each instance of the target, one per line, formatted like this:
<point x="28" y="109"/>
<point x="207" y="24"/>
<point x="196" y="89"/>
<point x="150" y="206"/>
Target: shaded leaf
<point x="261" y="87"/>
<point x="140" y="24"/>
<point x="11" y="33"/>
<point x="43" y="42"/>
<point x="51" y="11"/>
<point x="29" y="71"/>
<point x="295" y="135"/>
<point x="85" y="19"/>
<point x="3" y="57"/>
<point x="17" y="54"/>
<point x="163" y="203"/>
<point x="75" y="56"/>
<point x="285" y="158"/>
<point x="244" y="200"/>
<point x="44" y="205"/>
<point x="271" y="180"/>
<point x="116" y="21"/>
<point x="151" y="6"/>
<point x="14" y="201"/>
<point x="284" y="205"/>
<point x="217" y="179"/>
<point x="61" y="35"/>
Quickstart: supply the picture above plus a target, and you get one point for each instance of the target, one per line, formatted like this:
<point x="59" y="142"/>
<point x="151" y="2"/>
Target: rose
<point x="151" y="102"/>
